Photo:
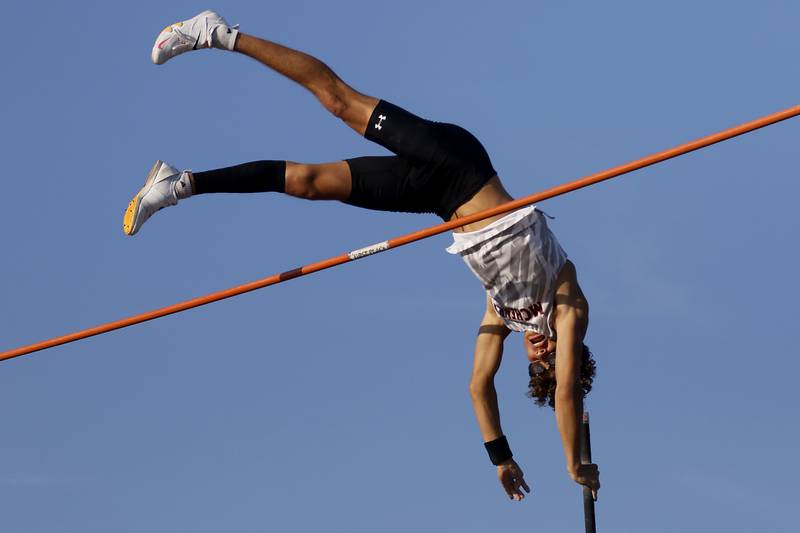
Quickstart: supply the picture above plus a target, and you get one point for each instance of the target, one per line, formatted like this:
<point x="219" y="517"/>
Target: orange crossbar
<point x="411" y="237"/>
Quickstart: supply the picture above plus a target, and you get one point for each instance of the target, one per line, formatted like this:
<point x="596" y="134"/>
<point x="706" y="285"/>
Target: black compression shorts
<point x="438" y="166"/>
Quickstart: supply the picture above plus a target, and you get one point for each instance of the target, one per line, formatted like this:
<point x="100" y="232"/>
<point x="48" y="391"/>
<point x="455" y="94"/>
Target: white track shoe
<point x="158" y="192"/>
<point x="201" y="31"/>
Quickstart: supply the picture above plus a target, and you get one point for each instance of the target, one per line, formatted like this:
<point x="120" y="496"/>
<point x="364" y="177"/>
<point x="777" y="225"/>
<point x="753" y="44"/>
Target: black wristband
<point x="498" y="450"/>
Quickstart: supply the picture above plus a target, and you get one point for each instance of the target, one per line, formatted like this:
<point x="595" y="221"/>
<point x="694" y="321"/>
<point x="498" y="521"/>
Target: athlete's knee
<point x="334" y="96"/>
<point x="300" y="181"/>
<point x="346" y="104"/>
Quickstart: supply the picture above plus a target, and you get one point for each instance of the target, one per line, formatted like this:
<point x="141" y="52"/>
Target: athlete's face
<point x="537" y="346"/>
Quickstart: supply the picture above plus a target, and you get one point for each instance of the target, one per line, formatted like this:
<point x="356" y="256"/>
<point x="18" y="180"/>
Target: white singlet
<point x="517" y="259"/>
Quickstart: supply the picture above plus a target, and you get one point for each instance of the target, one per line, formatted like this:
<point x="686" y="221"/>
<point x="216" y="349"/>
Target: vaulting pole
<point x="586" y="458"/>
<point x="411" y="237"/>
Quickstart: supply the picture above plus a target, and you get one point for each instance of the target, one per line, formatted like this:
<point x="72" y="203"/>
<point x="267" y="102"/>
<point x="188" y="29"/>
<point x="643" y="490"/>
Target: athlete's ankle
<point x="236" y="39"/>
<point x="224" y="37"/>
<point x="184" y="186"/>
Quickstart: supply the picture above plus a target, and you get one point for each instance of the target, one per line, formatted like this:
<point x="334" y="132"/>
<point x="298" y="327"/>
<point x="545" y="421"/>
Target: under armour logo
<point x="381" y="118"/>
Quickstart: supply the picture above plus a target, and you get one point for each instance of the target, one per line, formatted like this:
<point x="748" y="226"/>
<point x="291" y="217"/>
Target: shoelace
<point x="185" y="40"/>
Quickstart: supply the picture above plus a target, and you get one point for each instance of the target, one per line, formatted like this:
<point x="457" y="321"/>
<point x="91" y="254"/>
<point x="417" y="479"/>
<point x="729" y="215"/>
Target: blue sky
<point x="339" y="401"/>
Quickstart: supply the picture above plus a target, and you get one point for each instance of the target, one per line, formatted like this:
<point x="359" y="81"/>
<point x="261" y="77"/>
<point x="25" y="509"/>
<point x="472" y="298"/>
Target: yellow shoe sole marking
<point x="127" y="220"/>
<point x="169" y="28"/>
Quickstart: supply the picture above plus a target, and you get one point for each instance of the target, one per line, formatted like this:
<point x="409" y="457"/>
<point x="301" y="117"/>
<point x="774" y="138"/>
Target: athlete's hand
<point x="587" y="475"/>
<point x="512" y="479"/>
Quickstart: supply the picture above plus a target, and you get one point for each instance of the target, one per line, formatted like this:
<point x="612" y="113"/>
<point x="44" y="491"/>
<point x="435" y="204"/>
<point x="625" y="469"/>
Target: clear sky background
<point x="339" y="401"/>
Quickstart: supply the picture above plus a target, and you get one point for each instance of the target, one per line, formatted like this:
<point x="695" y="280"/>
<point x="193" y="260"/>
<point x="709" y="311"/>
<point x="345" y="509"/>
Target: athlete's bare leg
<point x="327" y="181"/>
<point x="335" y="95"/>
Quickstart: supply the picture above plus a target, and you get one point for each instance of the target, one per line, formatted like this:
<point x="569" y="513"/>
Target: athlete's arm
<point x="571" y="321"/>
<point x="488" y="355"/>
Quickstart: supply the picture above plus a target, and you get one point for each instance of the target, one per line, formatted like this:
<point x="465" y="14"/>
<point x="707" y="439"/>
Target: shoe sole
<point x="132" y="212"/>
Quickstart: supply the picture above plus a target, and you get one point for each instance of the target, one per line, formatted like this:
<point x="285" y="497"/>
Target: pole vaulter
<point x="591" y="179"/>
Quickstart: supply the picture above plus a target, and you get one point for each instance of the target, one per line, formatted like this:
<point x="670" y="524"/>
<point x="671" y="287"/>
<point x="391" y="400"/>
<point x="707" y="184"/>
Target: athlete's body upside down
<point x="531" y="286"/>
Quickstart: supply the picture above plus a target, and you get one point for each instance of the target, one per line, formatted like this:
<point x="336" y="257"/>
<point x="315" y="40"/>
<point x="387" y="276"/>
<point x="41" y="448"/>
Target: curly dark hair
<point x="542" y="387"/>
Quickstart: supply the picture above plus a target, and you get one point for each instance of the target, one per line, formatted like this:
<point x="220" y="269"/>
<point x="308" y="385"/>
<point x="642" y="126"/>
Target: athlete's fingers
<point x="519" y="480"/>
<point x="507" y="486"/>
<point x="518" y="483"/>
<point x="515" y="494"/>
<point x="512" y="489"/>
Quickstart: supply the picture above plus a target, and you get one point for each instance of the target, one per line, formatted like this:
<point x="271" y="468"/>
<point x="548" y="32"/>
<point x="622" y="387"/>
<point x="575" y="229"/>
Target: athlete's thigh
<point x="358" y="109"/>
<point x="407" y="135"/>
<point x="388" y="183"/>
